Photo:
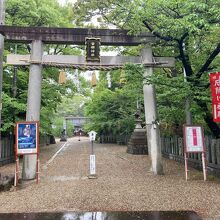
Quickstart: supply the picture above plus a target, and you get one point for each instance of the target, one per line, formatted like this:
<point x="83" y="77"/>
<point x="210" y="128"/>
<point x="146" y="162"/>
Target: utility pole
<point x="152" y="125"/>
<point x="2" y="21"/>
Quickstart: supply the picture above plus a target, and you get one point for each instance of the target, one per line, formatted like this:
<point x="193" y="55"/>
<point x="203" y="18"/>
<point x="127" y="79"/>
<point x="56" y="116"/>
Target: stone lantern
<point x="138" y="141"/>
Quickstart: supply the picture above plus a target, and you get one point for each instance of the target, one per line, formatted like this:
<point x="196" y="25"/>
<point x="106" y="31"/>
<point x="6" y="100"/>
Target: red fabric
<point x="195" y="141"/>
<point x="215" y="90"/>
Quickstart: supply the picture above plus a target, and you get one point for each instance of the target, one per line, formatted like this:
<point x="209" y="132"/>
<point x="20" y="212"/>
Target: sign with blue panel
<point x="27" y="137"/>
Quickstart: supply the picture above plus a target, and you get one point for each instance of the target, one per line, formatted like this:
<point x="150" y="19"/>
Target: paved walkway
<point x="124" y="183"/>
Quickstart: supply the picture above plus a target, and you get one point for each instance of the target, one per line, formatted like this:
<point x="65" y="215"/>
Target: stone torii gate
<point x="38" y="36"/>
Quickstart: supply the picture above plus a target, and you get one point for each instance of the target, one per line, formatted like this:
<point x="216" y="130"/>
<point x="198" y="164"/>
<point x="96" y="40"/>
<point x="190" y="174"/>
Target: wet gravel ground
<point x="124" y="183"/>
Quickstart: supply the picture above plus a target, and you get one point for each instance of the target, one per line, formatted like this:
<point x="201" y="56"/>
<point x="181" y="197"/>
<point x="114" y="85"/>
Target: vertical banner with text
<point x="215" y="90"/>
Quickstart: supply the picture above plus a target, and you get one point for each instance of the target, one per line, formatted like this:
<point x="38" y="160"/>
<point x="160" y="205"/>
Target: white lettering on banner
<point x="216" y="109"/>
<point x="217" y="82"/>
<point x="92" y="165"/>
<point x="215" y="115"/>
<point x="217" y="90"/>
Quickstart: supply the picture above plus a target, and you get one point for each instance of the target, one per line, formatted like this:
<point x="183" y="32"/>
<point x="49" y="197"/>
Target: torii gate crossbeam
<point x="74" y="36"/>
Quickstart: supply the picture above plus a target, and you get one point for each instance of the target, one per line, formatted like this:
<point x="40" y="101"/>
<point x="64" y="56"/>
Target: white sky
<point x="63" y="2"/>
<point x="88" y="74"/>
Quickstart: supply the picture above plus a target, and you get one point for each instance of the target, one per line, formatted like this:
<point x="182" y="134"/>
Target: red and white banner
<point x="215" y="89"/>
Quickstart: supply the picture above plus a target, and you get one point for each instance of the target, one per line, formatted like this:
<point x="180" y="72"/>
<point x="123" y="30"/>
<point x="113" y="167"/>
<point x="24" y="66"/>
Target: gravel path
<point x="124" y="183"/>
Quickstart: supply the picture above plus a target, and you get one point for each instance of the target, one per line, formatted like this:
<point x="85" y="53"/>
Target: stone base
<point x="52" y="139"/>
<point x="63" y="138"/>
<point x="138" y="142"/>
<point x="6" y="182"/>
<point x="137" y="149"/>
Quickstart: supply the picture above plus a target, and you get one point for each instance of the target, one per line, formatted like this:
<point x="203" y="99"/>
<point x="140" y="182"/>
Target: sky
<point x="62" y="2"/>
<point x="88" y="74"/>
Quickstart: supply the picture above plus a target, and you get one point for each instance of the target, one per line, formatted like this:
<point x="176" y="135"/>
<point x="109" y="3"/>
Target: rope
<point x="89" y="66"/>
<point x="79" y="66"/>
<point x="85" y="67"/>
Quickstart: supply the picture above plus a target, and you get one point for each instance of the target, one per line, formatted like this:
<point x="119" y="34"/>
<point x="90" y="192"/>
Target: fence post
<point x="213" y="151"/>
<point x="218" y="151"/>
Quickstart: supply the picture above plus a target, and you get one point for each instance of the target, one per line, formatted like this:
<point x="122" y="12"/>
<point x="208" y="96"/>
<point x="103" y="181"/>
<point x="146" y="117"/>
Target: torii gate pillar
<point x="33" y="103"/>
<point x="153" y="132"/>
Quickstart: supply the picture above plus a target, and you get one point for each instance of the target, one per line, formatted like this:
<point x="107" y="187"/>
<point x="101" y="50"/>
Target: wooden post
<point x="16" y="170"/>
<point x="204" y="166"/>
<point x="38" y="169"/>
<point x="186" y="165"/>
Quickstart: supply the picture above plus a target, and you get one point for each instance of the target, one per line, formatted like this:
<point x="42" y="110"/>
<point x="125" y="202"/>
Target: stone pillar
<point x="153" y="132"/>
<point x="33" y="103"/>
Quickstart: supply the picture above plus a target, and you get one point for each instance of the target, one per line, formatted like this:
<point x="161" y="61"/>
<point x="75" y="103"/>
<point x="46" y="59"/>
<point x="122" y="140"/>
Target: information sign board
<point x="92" y="165"/>
<point x="193" y="139"/>
<point x="194" y="143"/>
<point x="27" y="137"/>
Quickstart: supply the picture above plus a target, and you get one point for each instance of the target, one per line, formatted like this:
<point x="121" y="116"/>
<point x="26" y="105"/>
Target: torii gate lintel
<point x="74" y="36"/>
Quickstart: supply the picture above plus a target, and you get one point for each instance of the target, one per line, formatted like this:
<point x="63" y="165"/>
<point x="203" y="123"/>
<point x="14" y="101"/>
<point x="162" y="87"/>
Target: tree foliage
<point x="111" y="110"/>
<point x="36" y="13"/>
<point x="186" y="29"/>
<point x="15" y="84"/>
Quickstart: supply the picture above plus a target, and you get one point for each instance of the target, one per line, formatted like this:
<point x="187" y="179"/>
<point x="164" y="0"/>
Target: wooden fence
<point x="118" y="139"/>
<point x="7" y="150"/>
<point x="7" y="154"/>
<point x="172" y="148"/>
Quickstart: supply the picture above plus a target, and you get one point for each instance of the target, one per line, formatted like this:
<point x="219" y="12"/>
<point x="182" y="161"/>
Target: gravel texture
<point x="124" y="183"/>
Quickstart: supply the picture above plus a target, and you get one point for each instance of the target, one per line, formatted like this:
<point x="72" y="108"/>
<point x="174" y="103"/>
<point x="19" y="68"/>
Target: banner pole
<point x="186" y="166"/>
<point x="37" y="169"/>
<point x="15" y="180"/>
<point x="204" y="166"/>
<point x="16" y="170"/>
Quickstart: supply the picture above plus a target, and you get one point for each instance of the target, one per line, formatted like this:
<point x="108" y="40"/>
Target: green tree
<point x="72" y="104"/>
<point x="37" y="13"/>
<point x="111" y="110"/>
<point x="186" y="29"/>
<point x="34" y="13"/>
